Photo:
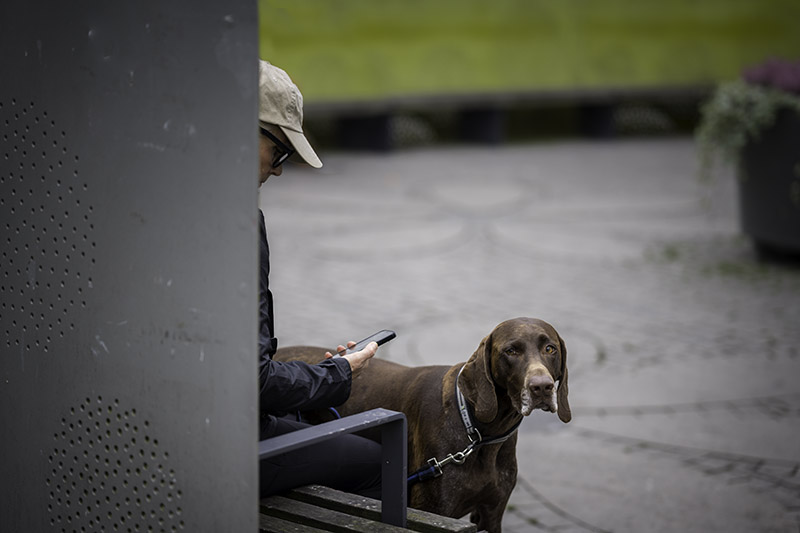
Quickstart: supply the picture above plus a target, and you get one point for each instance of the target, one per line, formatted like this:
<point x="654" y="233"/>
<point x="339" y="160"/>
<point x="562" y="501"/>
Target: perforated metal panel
<point x="47" y="228"/>
<point x="128" y="266"/>
<point x="108" y="471"/>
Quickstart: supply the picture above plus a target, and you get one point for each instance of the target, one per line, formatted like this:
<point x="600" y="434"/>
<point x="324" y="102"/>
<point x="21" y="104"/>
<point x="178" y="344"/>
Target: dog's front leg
<point x="488" y="517"/>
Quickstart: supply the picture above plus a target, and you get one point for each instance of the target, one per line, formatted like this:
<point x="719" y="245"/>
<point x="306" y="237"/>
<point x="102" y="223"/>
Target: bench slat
<point x="272" y="524"/>
<point x="420" y="521"/>
<point x="325" y="519"/>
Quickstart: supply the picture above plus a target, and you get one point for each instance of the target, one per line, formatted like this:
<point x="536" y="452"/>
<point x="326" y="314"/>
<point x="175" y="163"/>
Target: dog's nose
<point x="541" y="386"/>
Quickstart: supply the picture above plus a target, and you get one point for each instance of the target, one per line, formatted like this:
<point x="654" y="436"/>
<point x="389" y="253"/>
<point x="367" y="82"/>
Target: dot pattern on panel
<point x="108" y="472"/>
<point x="47" y="249"/>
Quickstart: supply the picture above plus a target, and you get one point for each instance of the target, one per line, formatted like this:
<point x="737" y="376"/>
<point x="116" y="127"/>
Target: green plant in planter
<point x="740" y="111"/>
<point x="754" y="123"/>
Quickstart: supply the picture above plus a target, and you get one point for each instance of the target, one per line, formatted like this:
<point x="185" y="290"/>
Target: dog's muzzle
<point x="539" y="393"/>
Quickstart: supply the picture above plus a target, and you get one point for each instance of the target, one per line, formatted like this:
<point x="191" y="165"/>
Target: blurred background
<point x="412" y="71"/>
<point x="486" y="160"/>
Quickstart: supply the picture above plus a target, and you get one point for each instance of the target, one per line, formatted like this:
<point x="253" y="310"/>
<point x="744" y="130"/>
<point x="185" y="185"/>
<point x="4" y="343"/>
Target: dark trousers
<point x="349" y="463"/>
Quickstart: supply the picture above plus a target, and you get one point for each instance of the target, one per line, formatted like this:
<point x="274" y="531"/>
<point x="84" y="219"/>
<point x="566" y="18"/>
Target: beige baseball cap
<point x="281" y="103"/>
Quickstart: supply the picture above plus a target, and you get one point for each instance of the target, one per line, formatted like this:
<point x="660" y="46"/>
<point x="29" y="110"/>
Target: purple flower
<point x="776" y="73"/>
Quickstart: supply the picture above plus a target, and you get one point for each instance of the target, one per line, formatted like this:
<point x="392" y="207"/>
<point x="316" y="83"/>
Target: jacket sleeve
<point x="266" y="321"/>
<point x="294" y="385"/>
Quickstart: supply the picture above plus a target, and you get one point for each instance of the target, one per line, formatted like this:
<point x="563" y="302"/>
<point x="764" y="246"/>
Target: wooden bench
<point x="313" y="509"/>
<point x="393" y="433"/>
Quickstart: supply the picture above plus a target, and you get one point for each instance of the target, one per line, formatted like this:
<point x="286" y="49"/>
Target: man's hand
<point x="357" y="360"/>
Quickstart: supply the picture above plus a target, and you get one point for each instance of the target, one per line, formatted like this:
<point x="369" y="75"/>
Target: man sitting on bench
<point x="348" y="462"/>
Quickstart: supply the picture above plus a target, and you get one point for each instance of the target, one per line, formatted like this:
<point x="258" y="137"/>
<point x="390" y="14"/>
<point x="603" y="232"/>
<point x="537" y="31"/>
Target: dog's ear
<point x="564" y="412"/>
<point x="477" y="384"/>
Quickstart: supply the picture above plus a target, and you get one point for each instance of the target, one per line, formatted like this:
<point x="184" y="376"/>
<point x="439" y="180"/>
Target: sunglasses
<point x="283" y="153"/>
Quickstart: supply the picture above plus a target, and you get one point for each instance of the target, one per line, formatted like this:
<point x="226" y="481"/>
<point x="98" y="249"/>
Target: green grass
<point x="362" y="49"/>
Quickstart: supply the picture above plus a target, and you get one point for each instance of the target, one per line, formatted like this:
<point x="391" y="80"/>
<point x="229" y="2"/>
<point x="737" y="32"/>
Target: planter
<point x="769" y="186"/>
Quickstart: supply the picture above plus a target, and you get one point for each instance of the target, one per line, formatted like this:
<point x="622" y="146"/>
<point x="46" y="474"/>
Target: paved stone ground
<point x="684" y="350"/>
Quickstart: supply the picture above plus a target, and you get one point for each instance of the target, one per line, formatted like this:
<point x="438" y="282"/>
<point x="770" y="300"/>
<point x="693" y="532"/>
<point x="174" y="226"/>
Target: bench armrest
<point x="393" y="447"/>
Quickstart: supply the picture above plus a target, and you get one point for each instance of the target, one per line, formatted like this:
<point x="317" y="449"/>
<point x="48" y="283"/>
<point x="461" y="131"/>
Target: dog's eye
<point x="511" y="351"/>
<point x="550" y="349"/>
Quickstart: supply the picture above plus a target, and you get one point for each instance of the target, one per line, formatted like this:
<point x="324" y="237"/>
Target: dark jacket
<point x="292" y="386"/>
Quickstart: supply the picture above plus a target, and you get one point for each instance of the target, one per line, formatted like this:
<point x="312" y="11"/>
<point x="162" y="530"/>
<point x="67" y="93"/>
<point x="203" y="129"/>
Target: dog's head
<point x="523" y="358"/>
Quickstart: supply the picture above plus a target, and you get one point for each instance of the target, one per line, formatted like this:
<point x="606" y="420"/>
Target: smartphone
<point x="381" y="337"/>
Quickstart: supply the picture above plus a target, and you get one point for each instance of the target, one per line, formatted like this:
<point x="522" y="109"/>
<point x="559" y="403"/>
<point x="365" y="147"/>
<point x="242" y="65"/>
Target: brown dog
<point x="511" y="374"/>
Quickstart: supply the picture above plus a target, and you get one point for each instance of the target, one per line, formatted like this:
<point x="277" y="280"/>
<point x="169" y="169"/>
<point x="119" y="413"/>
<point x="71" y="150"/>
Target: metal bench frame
<point x="393" y="428"/>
